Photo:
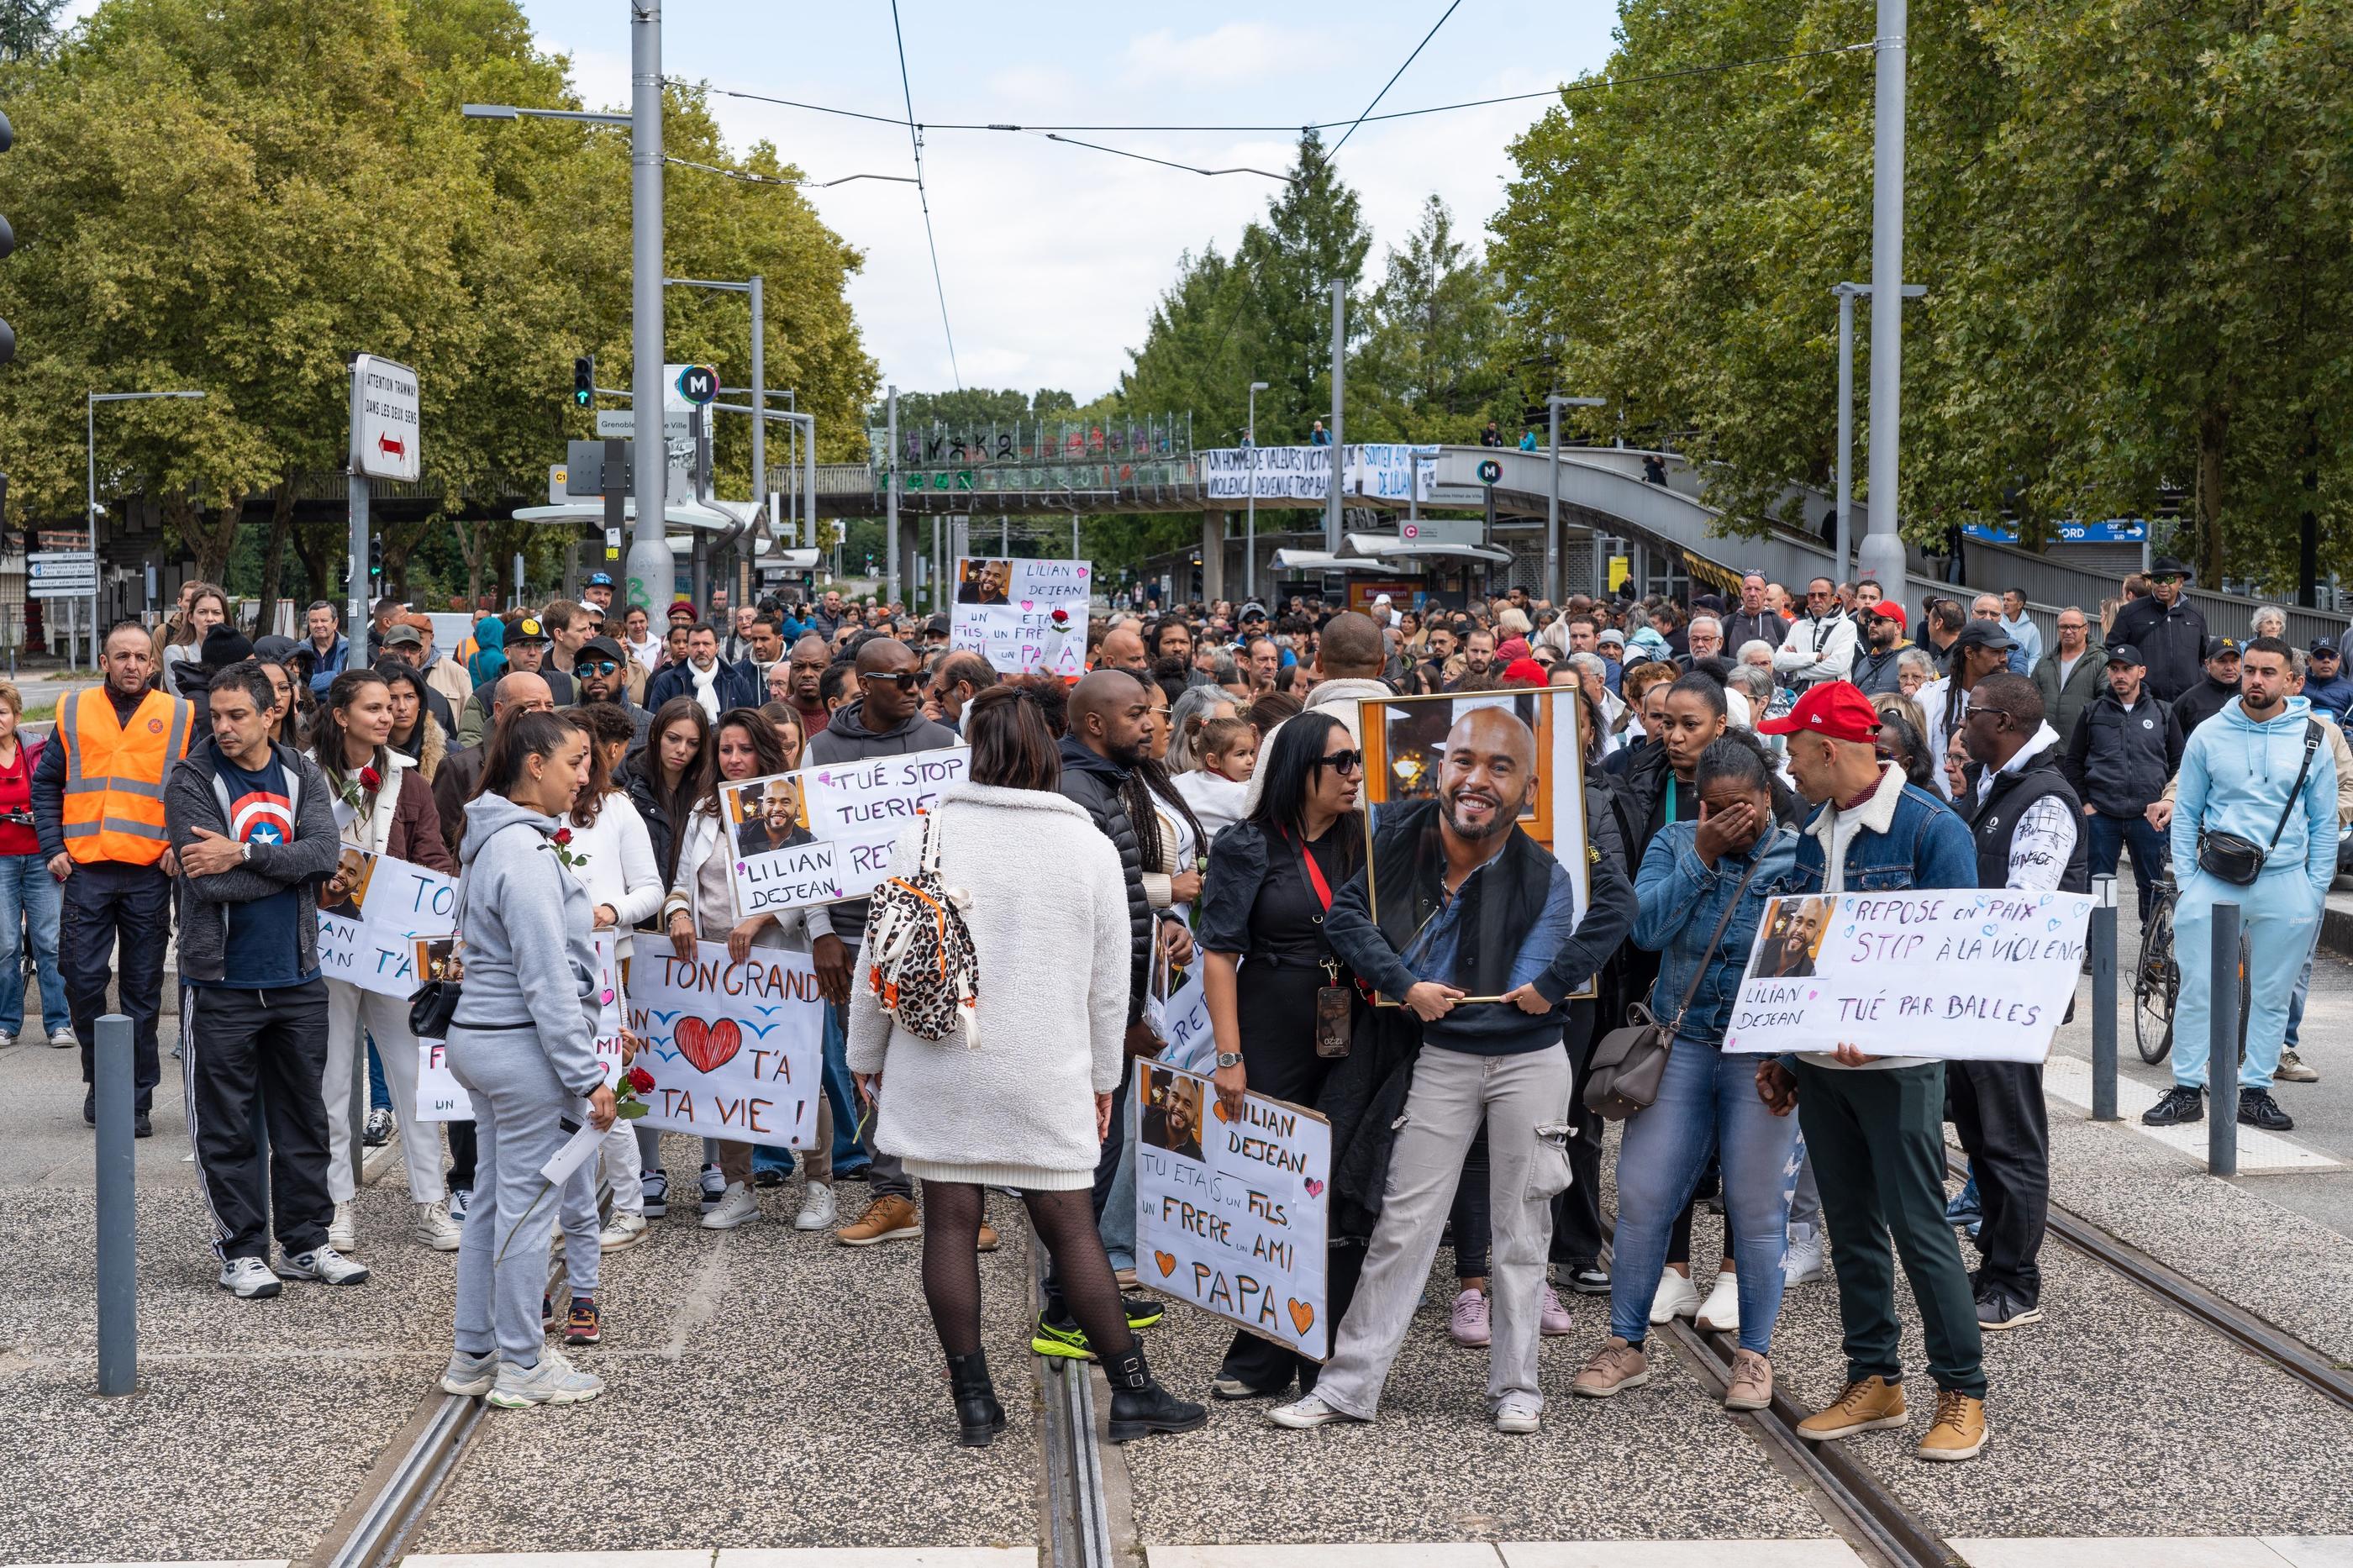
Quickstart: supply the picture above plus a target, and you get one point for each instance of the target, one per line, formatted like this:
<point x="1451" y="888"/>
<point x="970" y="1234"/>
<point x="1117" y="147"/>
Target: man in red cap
<point x="1883" y="631"/>
<point x="1874" y="1124"/>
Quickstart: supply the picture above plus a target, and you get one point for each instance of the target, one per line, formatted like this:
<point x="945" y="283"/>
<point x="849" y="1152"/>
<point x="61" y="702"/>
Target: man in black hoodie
<point x="2203" y="701"/>
<point x="886" y="720"/>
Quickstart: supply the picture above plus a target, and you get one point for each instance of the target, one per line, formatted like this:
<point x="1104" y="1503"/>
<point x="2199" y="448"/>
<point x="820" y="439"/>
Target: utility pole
<point x="1882" y="555"/>
<point x="1339" y="382"/>
<point x="1846" y="294"/>
<point x="649" y="573"/>
<point x="890" y="507"/>
<point x="1554" y="403"/>
<point x="1249" y="503"/>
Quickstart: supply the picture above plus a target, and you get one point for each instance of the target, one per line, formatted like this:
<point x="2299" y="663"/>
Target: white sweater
<point x="1048" y="922"/>
<point x="616" y="856"/>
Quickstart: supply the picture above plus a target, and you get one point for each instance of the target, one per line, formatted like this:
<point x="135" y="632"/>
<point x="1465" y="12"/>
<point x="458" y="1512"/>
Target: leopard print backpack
<point x="920" y="963"/>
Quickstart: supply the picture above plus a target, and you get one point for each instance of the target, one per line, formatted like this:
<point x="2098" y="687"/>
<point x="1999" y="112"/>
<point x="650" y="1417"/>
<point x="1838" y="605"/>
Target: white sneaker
<point x="735" y="1205"/>
<point x="817" y="1208"/>
<point x="63" y="1038"/>
<point x="1677" y="1298"/>
<point x="433" y="1227"/>
<point x="626" y="1231"/>
<point x="342" y="1234"/>
<point x="248" y="1278"/>
<point x="1306" y="1413"/>
<point x="1721" y="1310"/>
<point x="7" y="1039"/>
<point x="1517" y="1417"/>
<point x="1802" y="1257"/>
<point x="713" y="1185"/>
<point x="469" y="1377"/>
<point x="554" y="1381"/>
<point x="325" y="1265"/>
<point x="458" y="1198"/>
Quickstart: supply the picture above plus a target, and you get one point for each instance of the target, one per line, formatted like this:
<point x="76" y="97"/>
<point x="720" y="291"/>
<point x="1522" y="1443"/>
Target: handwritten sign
<point x="1180" y="1019"/>
<point x="735" y="1050"/>
<point x="369" y="938"/>
<point x="1960" y="975"/>
<point x="826" y="833"/>
<point x="1232" y="1216"/>
<point x="441" y="1098"/>
<point x="1023" y="615"/>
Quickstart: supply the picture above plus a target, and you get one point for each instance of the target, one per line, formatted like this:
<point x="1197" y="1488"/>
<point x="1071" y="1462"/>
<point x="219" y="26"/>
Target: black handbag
<point x="1623" y="1076"/>
<point x="2238" y="861"/>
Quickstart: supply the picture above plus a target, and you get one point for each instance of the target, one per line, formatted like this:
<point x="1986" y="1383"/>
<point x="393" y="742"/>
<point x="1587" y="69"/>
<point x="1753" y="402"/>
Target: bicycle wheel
<point x="2157" y="984"/>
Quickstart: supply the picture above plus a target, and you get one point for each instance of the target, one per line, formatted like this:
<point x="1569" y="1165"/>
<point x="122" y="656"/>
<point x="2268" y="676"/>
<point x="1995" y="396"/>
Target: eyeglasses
<point x="599" y="667"/>
<point x="904" y="680"/>
<point x="1341" y="761"/>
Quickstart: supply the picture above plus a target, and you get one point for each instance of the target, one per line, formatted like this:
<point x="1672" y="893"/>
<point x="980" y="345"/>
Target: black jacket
<point x="190" y="801"/>
<point x="638" y="778"/>
<point x="1091" y="783"/>
<point x="2201" y="702"/>
<point x="1740" y="627"/>
<point x="1875" y="671"/>
<point x="1993" y="823"/>
<point x="2171" y="642"/>
<point x="2117" y="762"/>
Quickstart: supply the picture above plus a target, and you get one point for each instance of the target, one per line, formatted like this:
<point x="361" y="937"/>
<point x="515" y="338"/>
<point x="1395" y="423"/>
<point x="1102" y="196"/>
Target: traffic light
<point x="7" y="244"/>
<point x="584" y="382"/>
<point x="375" y="557"/>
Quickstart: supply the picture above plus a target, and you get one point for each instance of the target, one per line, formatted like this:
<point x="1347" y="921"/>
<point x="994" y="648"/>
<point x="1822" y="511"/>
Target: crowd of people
<point x="1198" y="791"/>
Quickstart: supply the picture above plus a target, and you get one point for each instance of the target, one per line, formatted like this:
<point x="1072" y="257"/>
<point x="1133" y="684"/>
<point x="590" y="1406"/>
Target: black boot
<point x="1139" y="1405"/>
<point x="980" y="1419"/>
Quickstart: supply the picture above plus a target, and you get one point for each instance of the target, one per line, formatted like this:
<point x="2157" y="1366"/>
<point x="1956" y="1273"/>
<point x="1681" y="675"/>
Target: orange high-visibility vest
<point x="114" y="774"/>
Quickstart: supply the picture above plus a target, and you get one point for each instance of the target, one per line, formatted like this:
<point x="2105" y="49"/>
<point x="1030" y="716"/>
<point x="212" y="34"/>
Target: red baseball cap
<point x="1888" y="609"/>
<point x="1836" y="710"/>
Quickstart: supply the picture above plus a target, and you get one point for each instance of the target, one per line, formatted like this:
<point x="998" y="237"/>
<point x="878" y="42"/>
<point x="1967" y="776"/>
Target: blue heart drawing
<point x="1990" y="929"/>
<point x="2055" y="922"/>
<point x="1847" y="935"/>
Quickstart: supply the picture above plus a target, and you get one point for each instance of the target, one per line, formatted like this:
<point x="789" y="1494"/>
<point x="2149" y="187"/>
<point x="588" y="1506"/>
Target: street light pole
<point x="1846" y="294"/>
<point x="90" y="400"/>
<point x="1882" y="555"/>
<point x="759" y="390"/>
<point x="1554" y="403"/>
<point x="1339" y="382"/>
<point x="649" y="573"/>
<point x="1249" y="502"/>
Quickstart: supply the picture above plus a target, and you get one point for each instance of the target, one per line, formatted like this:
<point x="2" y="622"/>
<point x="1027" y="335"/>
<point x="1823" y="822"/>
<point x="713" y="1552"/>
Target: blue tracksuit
<point x="2235" y="777"/>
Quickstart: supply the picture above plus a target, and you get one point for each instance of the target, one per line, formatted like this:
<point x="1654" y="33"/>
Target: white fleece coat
<point x="1049" y="921"/>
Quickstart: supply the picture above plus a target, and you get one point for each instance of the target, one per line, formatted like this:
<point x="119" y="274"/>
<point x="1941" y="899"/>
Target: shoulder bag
<point x="2239" y="861"/>
<point x="1628" y="1063"/>
<point x="433" y="1004"/>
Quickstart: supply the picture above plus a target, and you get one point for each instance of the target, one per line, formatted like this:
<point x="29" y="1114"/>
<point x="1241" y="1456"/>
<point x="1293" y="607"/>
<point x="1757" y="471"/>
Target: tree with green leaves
<point x="1431" y="367"/>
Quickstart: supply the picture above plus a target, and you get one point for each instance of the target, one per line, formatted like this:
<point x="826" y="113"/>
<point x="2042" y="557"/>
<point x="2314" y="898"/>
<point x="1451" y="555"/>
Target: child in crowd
<point x="1216" y="790"/>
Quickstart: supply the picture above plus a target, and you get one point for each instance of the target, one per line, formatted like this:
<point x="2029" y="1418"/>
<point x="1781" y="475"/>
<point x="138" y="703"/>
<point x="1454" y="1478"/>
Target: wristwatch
<point x="245" y="852"/>
<point x="1229" y="1058"/>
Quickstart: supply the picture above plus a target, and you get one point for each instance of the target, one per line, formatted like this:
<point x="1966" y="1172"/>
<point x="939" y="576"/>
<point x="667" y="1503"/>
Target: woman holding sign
<point x="1276" y="994"/>
<point x="385" y="808"/>
<point x="1699" y="896"/>
<point x="522" y="1046"/>
<point x="702" y="906"/>
<point x="1028" y="1102"/>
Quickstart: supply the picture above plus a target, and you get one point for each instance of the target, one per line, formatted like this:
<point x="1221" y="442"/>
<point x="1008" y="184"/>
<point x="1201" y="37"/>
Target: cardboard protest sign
<point x="1963" y="975"/>
<point x="1232" y="1218"/>
<point x="826" y="833"/>
<point x="735" y="1050"/>
<point x="368" y="936"/>
<point x="1405" y="743"/>
<point x="1176" y="1005"/>
<point x="440" y="1097"/>
<point x="1022" y="616"/>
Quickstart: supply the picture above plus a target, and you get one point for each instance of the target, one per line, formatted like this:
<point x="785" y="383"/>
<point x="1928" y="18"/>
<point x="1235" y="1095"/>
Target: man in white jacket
<point x="1821" y="644"/>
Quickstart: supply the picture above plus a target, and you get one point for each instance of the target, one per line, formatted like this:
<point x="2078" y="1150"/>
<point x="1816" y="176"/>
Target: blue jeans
<point x="379" y="1093"/>
<point x="29" y="905"/>
<point x="2106" y="838"/>
<point x="848" y="1153"/>
<point x="1707" y="1104"/>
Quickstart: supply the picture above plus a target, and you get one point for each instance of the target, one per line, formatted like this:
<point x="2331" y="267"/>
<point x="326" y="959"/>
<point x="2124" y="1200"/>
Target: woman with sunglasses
<point x="1271" y="878"/>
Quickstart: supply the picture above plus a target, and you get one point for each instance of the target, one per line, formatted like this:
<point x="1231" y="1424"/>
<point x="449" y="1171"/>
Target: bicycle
<point x="2156" y="980"/>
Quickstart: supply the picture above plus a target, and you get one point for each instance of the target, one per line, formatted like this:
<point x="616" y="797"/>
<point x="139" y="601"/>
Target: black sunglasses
<point x="904" y="680"/>
<point x="1345" y="762"/>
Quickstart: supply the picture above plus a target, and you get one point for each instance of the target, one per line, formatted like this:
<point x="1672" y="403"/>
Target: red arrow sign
<point x="390" y="447"/>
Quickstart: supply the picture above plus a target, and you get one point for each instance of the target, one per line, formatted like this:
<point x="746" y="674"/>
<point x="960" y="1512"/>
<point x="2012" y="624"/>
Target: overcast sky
<point x="1052" y="256"/>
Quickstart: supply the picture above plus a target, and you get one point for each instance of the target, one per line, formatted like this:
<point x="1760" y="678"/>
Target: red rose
<point x="370" y="778"/>
<point x="1061" y="617"/>
<point x="563" y="837"/>
<point x="642" y="1080"/>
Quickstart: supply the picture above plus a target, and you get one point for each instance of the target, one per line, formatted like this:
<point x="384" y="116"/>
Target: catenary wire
<point x="750" y="178"/>
<point x="1148" y="158"/>
<point x="923" y="197"/>
<point x="1393" y="77"/>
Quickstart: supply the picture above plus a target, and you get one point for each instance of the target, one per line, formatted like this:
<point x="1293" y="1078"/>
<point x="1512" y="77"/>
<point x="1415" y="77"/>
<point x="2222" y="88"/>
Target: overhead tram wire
<point x="1450" y="9"/>
<point x="1144" y="157"/>
<point x="749" y="178"/>
<point x="923" y="197"/>
<point x="1591" y="84"/>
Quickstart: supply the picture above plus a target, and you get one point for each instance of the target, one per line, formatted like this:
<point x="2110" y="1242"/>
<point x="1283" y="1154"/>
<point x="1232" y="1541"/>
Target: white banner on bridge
<point x="1384" y="471"/>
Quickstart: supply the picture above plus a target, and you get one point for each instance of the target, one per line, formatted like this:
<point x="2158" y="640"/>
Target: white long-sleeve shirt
<point x="1816" y="650"/>
<point x="2043" y="839"/>
<point x="615" y="864"/>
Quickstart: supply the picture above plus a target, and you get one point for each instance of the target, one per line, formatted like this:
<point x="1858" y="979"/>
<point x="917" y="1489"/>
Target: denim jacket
<point x="1911" y="840"/>
<point x="1678" y="899"/>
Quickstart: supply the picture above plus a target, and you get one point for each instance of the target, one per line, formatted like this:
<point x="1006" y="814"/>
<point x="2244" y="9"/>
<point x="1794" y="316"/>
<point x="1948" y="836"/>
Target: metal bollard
<point x="2104" y="998"/>
<point x="2223" y="1046"/>
<point x="118" y="1218"/>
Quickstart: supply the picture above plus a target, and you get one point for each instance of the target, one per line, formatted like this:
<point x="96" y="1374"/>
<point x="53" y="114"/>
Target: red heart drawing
<point x="1315" y="1188"/>
<point x="709" y="1047"/>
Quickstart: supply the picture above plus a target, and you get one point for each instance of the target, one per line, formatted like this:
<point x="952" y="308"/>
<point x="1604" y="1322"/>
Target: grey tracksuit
<point x="522" y="1046"/>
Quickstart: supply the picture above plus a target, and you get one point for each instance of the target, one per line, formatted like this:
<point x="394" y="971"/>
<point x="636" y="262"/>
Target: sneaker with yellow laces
<point x="1867" y="1405"/>
<point x="1958" y="1433"/>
